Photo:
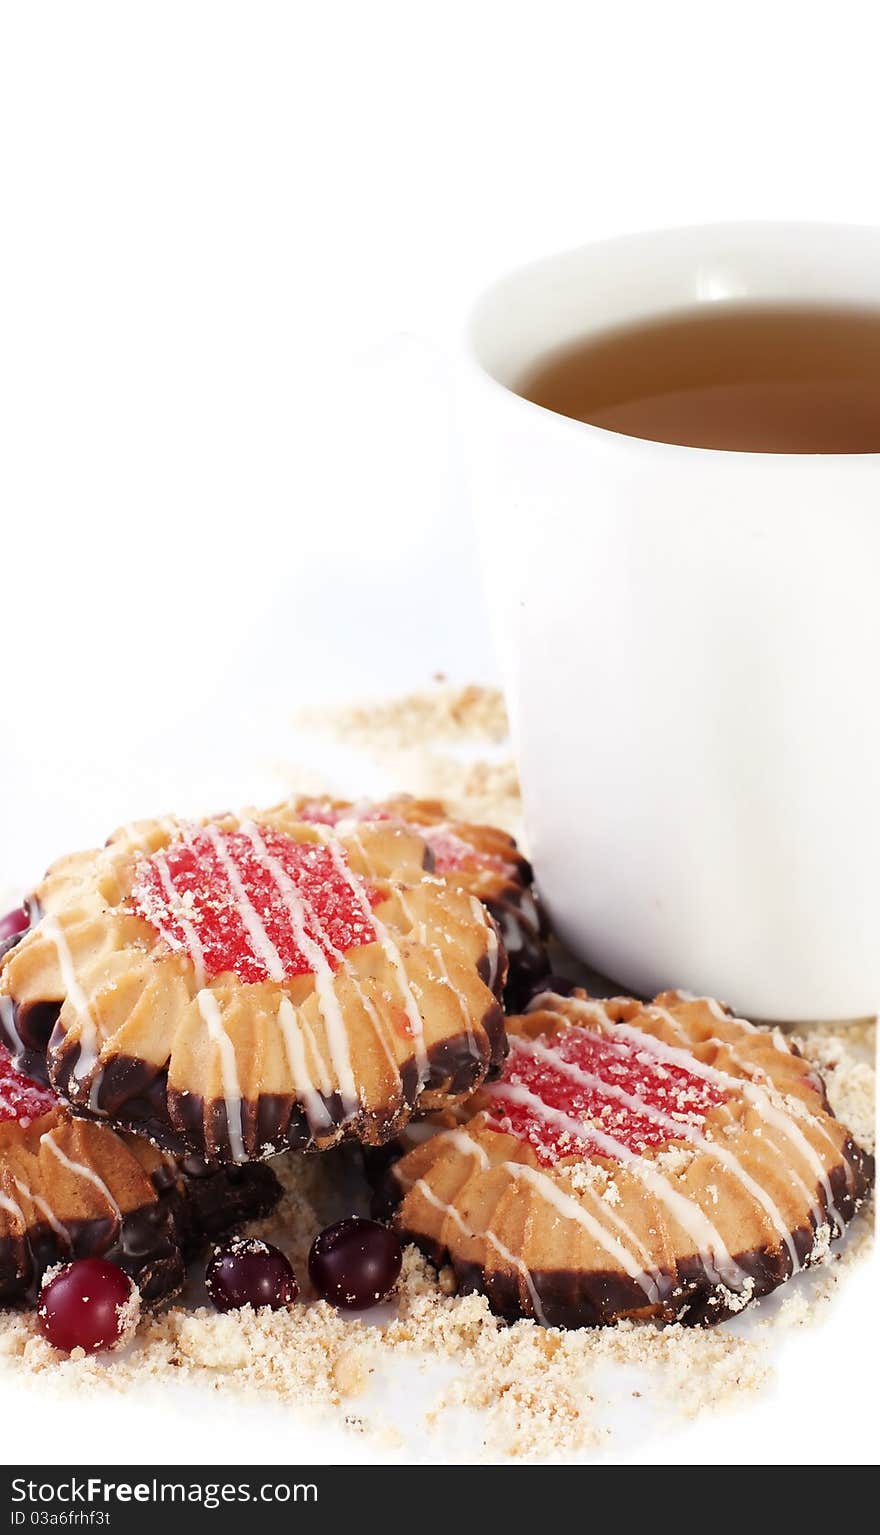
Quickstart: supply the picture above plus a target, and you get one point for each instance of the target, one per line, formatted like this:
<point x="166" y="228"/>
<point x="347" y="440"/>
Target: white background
<point x="237" y="245"/>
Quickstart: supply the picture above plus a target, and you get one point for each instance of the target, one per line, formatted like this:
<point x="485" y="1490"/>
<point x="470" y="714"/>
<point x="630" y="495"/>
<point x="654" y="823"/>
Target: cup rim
<point x="614" y="441"/>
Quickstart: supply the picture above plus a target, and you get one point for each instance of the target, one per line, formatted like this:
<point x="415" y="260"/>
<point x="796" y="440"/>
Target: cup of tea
<point x="674" y="447"/>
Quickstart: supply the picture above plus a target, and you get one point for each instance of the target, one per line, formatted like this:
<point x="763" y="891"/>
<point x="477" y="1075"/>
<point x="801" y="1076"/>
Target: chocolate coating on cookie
<point x="253" y="983"/>
<point x="73" y="1189"/>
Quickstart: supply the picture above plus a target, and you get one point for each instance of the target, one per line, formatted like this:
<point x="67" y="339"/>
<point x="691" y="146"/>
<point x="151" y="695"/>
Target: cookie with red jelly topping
<point x="662" y="1160"/>
<point x="70" y="1188"/>
<point x="248" y="983"/>
<point x="480" y="860"/>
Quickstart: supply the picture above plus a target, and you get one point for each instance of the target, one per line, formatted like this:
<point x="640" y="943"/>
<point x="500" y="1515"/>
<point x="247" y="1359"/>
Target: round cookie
<point x="661" y="1160"/>
<point x="70" y="1188"/>
<point x="480" y="860"/>
<point x="245" y="984"/>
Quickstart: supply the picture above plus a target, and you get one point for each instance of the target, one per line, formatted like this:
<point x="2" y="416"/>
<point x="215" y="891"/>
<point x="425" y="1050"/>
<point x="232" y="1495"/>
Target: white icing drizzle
<point x="710" y="1245"/>
<point x="46" y="1210"/>
<point x="262" y="946"/>
<point x="570" y="1209"/>
<point x="460" y="998"/>
<point x="325" y="1081"/>
<point x="9" y="1205"/>
<point x="80" y="1170"/>
<point x="421" y="928"/>
<point x="302" y="910"/>
<point x="331" y="1012"/>
<point x="193" y="942"/>
<point x="7" y="1023"/>
<point x="489" y="1236"/>
<point x="807" y="1193"/>
<point x="469" y="1147"/>
<point x="761" y="1101"/>
<point x="346" y="964"/>
<point x="757" y="1096"/>
<point x="317" y="1113"/>
<point x="212" y="1017"/>
<point x="87" y="1059"/>
<point x="677" y="1129"/>
<point x="610" y="1214"/>
<point x="264" y="950"/>
<point x="718" y="1012"/>
<point x="481" y="915"/>
<point x="389" y="947"/>
<point x="465" y="1143"/>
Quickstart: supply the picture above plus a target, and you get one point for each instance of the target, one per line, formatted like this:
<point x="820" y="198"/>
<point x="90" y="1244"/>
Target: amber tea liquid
<point x="757" y="378"/>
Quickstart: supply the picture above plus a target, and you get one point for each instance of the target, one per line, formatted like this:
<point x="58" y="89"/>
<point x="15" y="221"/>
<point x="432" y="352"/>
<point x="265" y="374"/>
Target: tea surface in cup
<point x="759" y="378"/>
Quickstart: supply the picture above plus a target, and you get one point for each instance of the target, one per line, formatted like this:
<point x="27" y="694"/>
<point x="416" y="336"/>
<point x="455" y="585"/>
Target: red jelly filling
<point x="599" y="1070"/>
<point x="233" y="905"/>
<point x="21" y="1099"/>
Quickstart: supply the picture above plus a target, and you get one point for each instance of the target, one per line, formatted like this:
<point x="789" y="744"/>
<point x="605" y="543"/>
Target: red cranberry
<point x="355" y="1263"/>
<point x="89" y="1304"/>
<point x="14" y="922"/>
<point x="248" y="1272"/>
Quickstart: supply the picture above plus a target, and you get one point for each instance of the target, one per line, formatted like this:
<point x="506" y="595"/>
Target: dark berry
<point x="89" y="1304"/>
<point x="355" y="1263"/>
<point x="248" y="1272"/>
<point x="14" y="923"/>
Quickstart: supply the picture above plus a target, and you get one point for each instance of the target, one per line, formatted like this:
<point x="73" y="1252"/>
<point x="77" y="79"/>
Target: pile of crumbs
<point x="539" y="1393"/>
<point x="444" y="712"/>
<point x="447" y="742"/>
<point x="534" y="1393"/>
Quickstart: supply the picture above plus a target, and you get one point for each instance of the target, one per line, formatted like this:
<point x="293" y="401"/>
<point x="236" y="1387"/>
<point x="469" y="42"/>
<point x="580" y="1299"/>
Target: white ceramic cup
<point x="691" y="643"/>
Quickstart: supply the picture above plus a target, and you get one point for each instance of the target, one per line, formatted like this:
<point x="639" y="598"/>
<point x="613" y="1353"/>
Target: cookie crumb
<point x="445" y="712"/>
<point x="406" y="737"/>
<point x="349" y="1374"/>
